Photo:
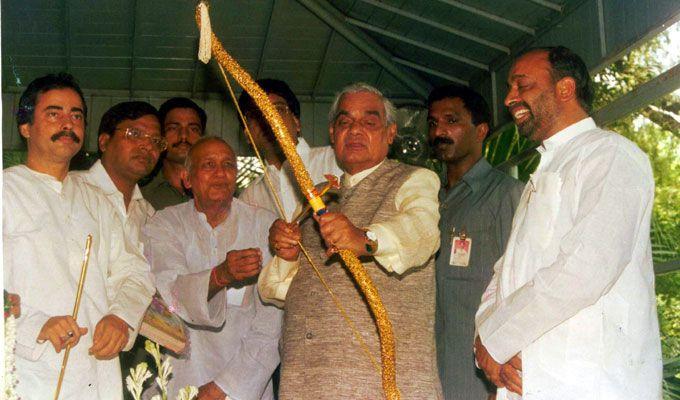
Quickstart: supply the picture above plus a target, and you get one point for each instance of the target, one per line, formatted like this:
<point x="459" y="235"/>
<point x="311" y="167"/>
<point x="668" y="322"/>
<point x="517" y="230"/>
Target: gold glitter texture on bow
<point x="387" y="345"/>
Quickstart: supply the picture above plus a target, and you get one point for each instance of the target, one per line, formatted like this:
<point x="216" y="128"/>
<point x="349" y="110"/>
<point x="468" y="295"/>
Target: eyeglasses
<point x="281" y="108"/>
<point x="136" y="135"/>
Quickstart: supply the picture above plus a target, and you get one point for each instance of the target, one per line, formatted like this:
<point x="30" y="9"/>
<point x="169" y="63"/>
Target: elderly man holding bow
<point x="387" y="213"/>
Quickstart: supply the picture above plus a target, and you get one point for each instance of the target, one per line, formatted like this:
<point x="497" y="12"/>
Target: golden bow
<point x="387" y="346"/>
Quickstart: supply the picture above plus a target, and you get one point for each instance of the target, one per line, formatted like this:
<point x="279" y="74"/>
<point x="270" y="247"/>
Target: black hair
<point x="566" y="63"/>
<point x="62" y="80"/>
<point x="270" y="86"/>
<point x="473" y="101"/>
<point x="128" y="110"/>
<point x="181" y="102"/>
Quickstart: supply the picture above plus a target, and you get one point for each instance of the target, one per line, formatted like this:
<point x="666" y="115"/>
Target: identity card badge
<point x="461" y="246"/>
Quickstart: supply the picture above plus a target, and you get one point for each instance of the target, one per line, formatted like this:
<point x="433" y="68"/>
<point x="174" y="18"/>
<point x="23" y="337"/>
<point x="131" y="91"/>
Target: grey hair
<point x="390" y="111"/>
<point x="188" y="161"/>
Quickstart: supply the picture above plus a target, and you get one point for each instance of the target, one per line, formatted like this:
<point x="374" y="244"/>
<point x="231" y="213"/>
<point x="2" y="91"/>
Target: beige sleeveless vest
<point x="320" y="357"/>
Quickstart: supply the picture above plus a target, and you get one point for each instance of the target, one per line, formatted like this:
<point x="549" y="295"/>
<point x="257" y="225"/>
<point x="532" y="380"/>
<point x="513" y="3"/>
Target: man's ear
<point x="566" y="89"/>
<point x="331" y="134"/>
<point x="481" y="130"/>
<point x="184" y="175"/>
<point x="298" y="126"/>
<point x="24" y="131"/>
<point x="103" y="141"/>
<point x="391" y="133"/>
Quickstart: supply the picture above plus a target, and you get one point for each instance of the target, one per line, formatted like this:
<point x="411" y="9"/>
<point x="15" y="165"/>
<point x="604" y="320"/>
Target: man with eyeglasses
<point x="183" y="122"/>
<point x="47" y="216"/>
<point x="318" y="160"/>
<point x="130" y="143"/>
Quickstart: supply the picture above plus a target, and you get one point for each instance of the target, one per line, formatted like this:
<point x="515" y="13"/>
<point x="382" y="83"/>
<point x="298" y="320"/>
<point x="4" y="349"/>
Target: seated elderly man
<point x="387" y="214"/>
<point x="205" y="255"/>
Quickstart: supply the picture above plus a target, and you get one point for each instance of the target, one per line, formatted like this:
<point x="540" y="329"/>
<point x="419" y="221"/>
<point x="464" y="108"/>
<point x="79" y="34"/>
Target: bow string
<point x="351" y="262"/>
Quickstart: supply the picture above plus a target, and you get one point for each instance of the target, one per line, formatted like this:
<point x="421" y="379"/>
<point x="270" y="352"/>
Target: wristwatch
<point x="371" y="241"/>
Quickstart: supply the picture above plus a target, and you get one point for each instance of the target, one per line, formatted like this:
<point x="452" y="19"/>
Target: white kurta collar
<point x="103" y="180"/>
<point x="302" y="146"/>
<point x="51" y="182"/>
<point x="566" y="134"/>
<point x="350" y="180"/>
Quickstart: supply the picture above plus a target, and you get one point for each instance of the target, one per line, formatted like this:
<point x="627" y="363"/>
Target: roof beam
<point x="324" y="60"/>
<point x="416" y="43"/>
<point x="437" y="25"/>
<point x="260" y="63"/>
<point x="335" y="19"/>
<point x="667" y="266"/>
<point x="67" y="34"/>
<point x="493" y="17"/>
<point x="639" y="97"/>
<point x="195" y="71"/>
<point x="548" y="4"/>
<point x="430" y="71"/>
<point x="135" y="11"/>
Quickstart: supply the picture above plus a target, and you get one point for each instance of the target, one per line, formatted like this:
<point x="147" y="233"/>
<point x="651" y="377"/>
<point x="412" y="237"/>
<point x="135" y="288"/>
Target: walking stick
<point x="76" y="306"/>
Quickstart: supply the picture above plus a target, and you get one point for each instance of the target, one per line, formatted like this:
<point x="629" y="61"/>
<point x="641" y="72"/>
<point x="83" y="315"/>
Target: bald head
<point x="202" y="142"/>
<point x="210" y="172"/>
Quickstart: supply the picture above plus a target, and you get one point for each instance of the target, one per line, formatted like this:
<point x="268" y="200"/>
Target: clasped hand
<point x="110" y="335"/>
<point x="240" y="265"/>
<point x="508" y="375"/>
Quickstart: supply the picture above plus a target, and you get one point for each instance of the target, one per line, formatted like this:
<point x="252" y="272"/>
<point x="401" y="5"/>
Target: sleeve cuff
<point x="388" y="253"/>
<point x="192" y="295"/>
<point x="275" y="280"/>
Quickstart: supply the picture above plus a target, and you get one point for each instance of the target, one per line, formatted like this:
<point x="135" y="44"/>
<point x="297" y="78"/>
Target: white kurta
<point x="233" y="337"/>
<point x="135" y="216"/>
<point x="574" y="291"/>
<point x="319" y="161"/>
<point x="45" y="224"/>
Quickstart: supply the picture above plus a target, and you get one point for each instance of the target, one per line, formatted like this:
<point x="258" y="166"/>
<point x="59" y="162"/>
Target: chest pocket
<point x="542" y="205"/>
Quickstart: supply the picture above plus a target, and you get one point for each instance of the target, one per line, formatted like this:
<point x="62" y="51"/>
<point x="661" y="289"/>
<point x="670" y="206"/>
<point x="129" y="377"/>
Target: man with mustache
<point x="570" y="312"/>
<point x="387" y="214"/>
<point x="318" y="160"/>
<point x="183" y="122"/>
<point x="205" y="255"/>
<point x="47" y="216"/>
<point x="477" y="203"/>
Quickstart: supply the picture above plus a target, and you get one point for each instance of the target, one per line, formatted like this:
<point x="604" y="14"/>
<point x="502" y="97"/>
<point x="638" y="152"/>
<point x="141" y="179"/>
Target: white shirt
<point x="45" y="225"/>
<point x="574" y="291"/>
<point x="233" y="338"/>
<point x="133" y="217"/>
<point x="319" y="161"/>
<point x="406" y="240"/>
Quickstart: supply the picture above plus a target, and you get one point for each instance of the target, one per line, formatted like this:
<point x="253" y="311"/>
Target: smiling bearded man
<point x="570" y="312"/>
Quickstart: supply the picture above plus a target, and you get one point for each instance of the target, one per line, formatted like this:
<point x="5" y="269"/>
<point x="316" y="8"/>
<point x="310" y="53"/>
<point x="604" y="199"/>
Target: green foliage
<point x="11" y="158"/>
<point x="509" y="144"/>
